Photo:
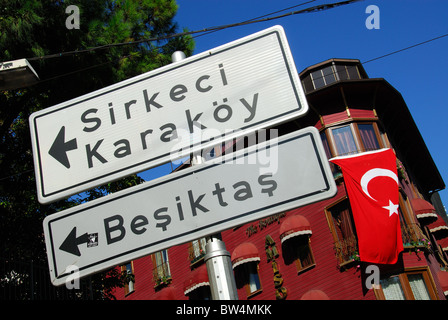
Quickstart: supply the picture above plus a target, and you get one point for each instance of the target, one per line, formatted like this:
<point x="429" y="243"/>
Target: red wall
<point x="325" y="276"/>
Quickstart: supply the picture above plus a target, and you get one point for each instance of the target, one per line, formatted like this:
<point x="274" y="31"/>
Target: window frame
<point x="310" y="255"/>
<point x="161" y="271"/>
<point x="406" y="286"/>
<point x="354" y="129"/>
<point x="127" y="289"/>
<point x="351" y="72"/>
<point x="336" y="239"/>
<point x="319" y="77"/>
<point x="333" y="145"/>
<point x="291" y="252"/>
<point x="196" y="251"/>
<point x="410" y="229"/>
<point x="376" y="132"/>
<point x="242" y="277"/>
<point x="349" y="68"/>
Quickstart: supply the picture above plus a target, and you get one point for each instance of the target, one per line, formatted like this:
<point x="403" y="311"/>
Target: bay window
<point x="353" y="138"/>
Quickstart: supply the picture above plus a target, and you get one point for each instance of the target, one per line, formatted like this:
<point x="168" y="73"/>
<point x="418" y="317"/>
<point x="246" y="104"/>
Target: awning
<point x="424" y="211"/>
<point x="443" y="243"/>
<point x="315" y="295"/>
<point x="294" y="226"/>
<point x="245" y="252"/>
<point x="198" y="278"/>
<point x="443" y="278"/>
<point x="439" y="228"/>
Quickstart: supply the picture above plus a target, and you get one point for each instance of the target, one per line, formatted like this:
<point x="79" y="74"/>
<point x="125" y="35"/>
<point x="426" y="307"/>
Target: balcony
<point x="413" y="238"/>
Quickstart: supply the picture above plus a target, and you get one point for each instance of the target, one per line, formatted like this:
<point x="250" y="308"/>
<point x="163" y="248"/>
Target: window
<point x="341" y="71"/>
<point x="298" y="250"/>
<point x="322" y="77"/>
<point x="392" y="289"/>
<point x="353" y="72"/>
<point x="254" y="278"/>
<point x="411" y="233"/>
<point x="368" y="137"/>
<point x="354" y="137"/>
<point x="328" y="75"/>
<point x="324" y="139"/>
<point x="347" y="72"/>
<point x="246" y="275"/>
<point x="410" y="285"/>
<point x="308" y="84"/>
<point x="196" y="251"/>
<point x="305" y="258"/>
<point x="383" y="137"/>
<point x="318" y="79"/>
<point x="129" y="285"/>
<point x="340" y="221"/>
<point x="418" y="287"/>
<point x="344" y="141"/>
<point x="161" y="268"/>
<point x="337" y="173"/>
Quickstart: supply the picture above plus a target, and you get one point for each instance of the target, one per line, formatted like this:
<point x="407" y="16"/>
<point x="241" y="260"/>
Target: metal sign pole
<point x="219" y="269"/>
<point x="217" y="258"/>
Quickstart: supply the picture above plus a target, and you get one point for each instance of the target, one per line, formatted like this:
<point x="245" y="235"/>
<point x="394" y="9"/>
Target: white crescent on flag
<point x="373" y="173"/>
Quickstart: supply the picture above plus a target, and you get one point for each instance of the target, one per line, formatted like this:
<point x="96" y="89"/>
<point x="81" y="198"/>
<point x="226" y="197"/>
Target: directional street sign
<point x="225" y="192"/>
<point x="165" y="114"/>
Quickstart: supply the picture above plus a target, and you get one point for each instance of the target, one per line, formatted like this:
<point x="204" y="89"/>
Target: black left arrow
<point x="60" y="147"/>
<point x="72" y="242"/>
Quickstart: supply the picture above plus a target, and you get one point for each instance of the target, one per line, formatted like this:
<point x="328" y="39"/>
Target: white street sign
<point x="225" y="192"/>
<point x="165" y="114"/>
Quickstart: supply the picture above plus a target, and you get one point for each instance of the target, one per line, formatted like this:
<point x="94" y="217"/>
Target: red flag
<point x="372" y="186"/>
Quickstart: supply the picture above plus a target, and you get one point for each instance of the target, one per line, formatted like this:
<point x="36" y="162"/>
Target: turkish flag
<point x="372" y="186"/>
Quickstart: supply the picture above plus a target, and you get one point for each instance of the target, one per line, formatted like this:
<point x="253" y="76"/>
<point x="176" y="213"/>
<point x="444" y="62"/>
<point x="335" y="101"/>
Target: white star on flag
<point x="393" y="208"/>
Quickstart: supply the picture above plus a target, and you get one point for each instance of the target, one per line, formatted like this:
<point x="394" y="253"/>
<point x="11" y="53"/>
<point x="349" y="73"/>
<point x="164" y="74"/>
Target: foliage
<point x="32" y="29"/>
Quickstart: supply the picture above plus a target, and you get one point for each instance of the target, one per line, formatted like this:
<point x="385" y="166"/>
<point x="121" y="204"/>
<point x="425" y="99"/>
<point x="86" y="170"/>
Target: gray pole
<point x="219" y="269"/>
<point x="217" y="258"/>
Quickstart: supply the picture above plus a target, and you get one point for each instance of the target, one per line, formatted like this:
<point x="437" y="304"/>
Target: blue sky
<point x="418" y="74"/>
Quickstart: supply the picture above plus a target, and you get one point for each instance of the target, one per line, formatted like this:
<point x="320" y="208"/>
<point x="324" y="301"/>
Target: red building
<point x="311" y="252"/>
